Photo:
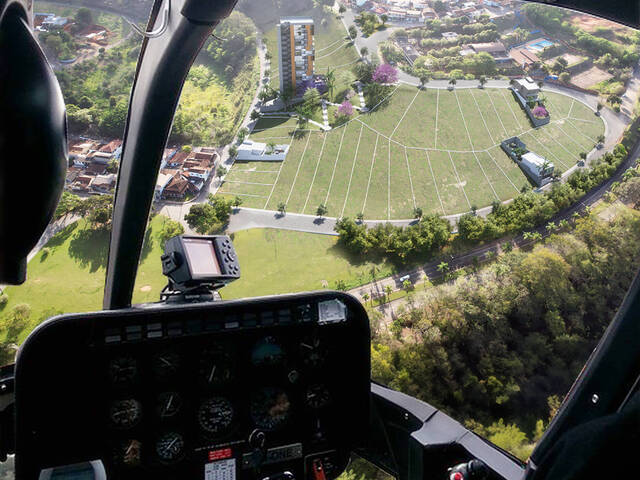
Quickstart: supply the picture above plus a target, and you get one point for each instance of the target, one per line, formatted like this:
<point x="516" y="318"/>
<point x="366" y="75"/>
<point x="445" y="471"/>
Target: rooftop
<point x="297" y="20"/>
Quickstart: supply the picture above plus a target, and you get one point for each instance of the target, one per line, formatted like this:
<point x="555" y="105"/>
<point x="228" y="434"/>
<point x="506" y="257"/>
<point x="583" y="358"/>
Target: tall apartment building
<point x="295" y="46"/>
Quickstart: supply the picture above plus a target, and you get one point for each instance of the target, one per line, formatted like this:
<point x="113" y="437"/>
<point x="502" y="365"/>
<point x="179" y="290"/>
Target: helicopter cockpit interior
<point x="268" y="388"/>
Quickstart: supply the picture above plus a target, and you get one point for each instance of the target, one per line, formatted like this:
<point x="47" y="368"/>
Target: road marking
<point x="459" y="181"/>
<point x="562" y="164"/>
<point x="293" y="184"/>
<point x="352" y="169"/>
<point x="464" y="122"/>
<point x="277" y="177"/>
<point x="404" y="114"/>
<point x="482" y="116"/>
<point x="373" y="159"/>
<point x="496" y="111"/>
<point x="315" y="172"/>
<point x="410" y="179"/>
<point x="334" y="166"/>
<point x="510" y="108"/>
<point x="435" y="183"/>
<point x="544" y="130"/>
<point x="435" y="141"/>
<point x="246" y="183"/>
<point x="503" y="172"/>
<point x="389" y="184"/>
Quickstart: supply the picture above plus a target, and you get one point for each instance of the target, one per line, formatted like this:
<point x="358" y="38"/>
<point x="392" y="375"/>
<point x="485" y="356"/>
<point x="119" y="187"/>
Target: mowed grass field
<point x="434" y="149"/>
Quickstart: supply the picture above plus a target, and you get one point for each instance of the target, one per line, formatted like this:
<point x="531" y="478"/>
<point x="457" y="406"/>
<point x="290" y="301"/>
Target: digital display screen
<point x="74" y="473"/>
<point x="202" y="257"/>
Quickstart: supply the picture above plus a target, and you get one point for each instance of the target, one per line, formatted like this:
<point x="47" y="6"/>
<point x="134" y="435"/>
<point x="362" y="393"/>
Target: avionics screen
<point x="202" y="257"/>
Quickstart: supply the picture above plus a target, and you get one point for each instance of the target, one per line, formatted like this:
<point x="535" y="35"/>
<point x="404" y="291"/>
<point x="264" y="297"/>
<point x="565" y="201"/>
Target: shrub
<point x="540" y="112"/>
<point x="4" y="299"/>
<point x="385" y="73"/>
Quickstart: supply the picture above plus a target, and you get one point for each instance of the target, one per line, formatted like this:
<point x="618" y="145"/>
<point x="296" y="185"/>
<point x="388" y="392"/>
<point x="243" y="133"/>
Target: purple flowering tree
<point x="540" y="112"/>
<point x="345" y="109"/>
<point x="385" y="73"/>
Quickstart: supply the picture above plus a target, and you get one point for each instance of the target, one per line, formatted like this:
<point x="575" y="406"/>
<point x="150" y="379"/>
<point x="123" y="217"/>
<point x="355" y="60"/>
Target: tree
<point x="385" y="74"/>
<point x="322" y="210"/>
<point x="599" y="108"/>
<point x="443" y="267"/>
<point x="482" y="81"/>
<point x="330" y="79"/>
<point x="384" y="18"/>
<point x="282" y="208"/>
<point x="345" y="109"/>
<point x="342" y="9"/>
<point x="170" y="228"/>
<point x="353" y="32"/>
<point x="255" y="115"/>
<point x="388" y="290"/>
<point x="364" y="51"/>
<point x="365" y="297"/>
<point x="311" y="101"/>
<point x="452" y="82"/>
<point x="237" y="201"/>
<point x="565" y="77"/>
<point x="233" y="151"/>
<point x="360" y="217"/>
<point x="84" y="17"/>
<point x="407" y="286"/>
<point x="417" y="213"/>
<point x="221" y="171"/>
<point x="583" y="156"/>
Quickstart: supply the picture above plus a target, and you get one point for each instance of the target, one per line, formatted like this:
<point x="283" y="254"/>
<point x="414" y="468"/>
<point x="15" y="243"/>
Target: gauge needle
<point x="167" y="362"/>
<point x="168" y="405"/>
<point x="213" y="371"/>
<point x="307" y="346"/>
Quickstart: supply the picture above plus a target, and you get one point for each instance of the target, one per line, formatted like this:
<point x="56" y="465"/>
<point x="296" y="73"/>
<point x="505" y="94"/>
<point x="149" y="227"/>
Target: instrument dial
<point x="270" y="408"/>
<point x="170" y="447"/>
<point x="125" y="413"/>
<point x="317" y="396"/>
<point x="267" y="353"/>
<point x="123" y="370"/>
<point x="128" y="453"/>
<point x="313" y="352"/>
<point x="166" y="365"/>
<point x="168" y="404"/>
<point x="216" y="366"/>
<point x="215" y="415"/>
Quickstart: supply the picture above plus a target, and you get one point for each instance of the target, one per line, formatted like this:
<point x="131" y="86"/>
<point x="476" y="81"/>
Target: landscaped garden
<point x="437" y="150"/>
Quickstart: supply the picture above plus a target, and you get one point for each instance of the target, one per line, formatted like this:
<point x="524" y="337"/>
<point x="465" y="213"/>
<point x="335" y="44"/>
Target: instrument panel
<point x="218" y="391"/>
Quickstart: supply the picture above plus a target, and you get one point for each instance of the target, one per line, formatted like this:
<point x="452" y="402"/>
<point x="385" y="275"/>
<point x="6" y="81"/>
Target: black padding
<point x="33" y="145"/>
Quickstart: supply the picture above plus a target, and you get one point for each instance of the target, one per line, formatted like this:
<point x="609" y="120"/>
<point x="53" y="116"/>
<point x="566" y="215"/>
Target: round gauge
<point x="168" y="404"/>
<point x="170" y="447"/>
<point x="270" y="408"/>
<point x="123" y="370"/>
<point x="216" y="367"/>
<point x="312" y="351"/>
<point x="215" y="415"/>
<point x="317" y="396"/>
<point x="267" y="353"/>
<point x="166" y="365"/>
<point x="125" y="413"/>
<point x="128" y="453"/>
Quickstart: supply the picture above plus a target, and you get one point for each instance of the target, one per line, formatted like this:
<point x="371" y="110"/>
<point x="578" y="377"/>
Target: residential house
<point x="255" y="151"/>
<point x="429" y="13"/>
<point x="527" y="88"/>
<point x="82" y="183"/>
<point x="100" y="157"/>
<point x="104" y="183"/>
<point x="539" y="169"/>
<point x="449" y="35"/>
<point x="523" y="57"/>
<point x="177" y="160"/>
<point x="95" y="168"/>
<point x="178" y="188"/>
<point x="161" y="183"/>
<point x="114" y="147"/>
<point x="496" y="49"/>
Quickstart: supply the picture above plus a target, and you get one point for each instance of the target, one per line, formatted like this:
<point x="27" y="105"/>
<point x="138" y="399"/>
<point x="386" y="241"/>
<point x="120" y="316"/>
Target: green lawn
<point x="437" y="150"/>
<point x="70" y="278"/>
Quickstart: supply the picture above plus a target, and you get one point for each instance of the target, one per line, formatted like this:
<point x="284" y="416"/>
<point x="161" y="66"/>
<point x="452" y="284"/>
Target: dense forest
<point x="214" y="100"/>
<point x="507" y="342"/>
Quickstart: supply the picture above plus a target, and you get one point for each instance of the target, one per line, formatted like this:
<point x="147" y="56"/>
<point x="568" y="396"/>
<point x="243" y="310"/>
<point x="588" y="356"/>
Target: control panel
<point x="272" y="387"/>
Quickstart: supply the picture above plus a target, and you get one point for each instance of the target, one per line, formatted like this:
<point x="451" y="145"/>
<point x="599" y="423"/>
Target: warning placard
<point x="220" y="470"/>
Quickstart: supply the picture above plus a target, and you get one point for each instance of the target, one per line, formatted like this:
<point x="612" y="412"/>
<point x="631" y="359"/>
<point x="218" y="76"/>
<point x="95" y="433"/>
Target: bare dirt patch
<point x="590" y="24"/>
<point x="590" y="77"/>
<point x="569" y="57"/>
<point x="146" y="288"/>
